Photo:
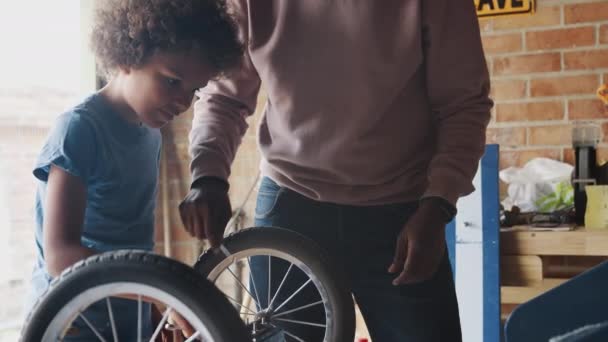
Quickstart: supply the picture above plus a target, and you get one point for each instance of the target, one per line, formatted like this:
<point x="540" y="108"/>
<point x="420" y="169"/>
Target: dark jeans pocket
<point x="268" y="198"/>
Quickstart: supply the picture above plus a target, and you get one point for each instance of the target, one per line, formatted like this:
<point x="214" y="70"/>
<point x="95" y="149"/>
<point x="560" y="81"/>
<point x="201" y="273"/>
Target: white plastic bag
<point x="542" y="185"/>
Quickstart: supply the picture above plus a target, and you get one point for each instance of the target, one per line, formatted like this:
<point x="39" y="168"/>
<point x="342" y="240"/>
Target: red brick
<point x="591" y="59"/>
<point x="560" y="38"/>
<point x="508" y="89"/>
<point x="586" y="109"/>
<point x="178" y="231"/>
<point x="506" y="136"/>
<point x="185" y="252"/>
<point x="493" y="44"/>
<point x="602" y="154"/>
<point x="519" y="158"/>
<point x="177" y="170"/>
<point x="563" y="85"/>
<point x="568" y="155"/>
<point x="605" y="132"/>
<point x="158" y="248"/>
<point x="530" y="111"/>
<point x="485" y="24"/>
<point x="550" y="135"/>
<point x="544" y="16"/>
<point x="604" y="34"/>
<point x="586" y="12"/>
<point x="177" y="190"/>
<point x="176" y="150"/>
<point x="177" y="134"/>
<point x="527" y="64"/>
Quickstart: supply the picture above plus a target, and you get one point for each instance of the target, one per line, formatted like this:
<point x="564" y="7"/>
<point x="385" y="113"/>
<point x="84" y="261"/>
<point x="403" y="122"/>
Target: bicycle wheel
<point x="105" y="279"/>
<point x="267" y="305"/>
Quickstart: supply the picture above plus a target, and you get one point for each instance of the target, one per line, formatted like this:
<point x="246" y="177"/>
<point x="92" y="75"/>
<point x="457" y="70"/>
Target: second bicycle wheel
<point x="283" y="285"/>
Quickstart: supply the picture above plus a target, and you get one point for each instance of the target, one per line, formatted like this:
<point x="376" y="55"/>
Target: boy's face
<point x="164" y="86"/>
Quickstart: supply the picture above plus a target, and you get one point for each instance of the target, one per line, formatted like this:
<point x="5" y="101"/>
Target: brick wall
<point x="545" y="69"/>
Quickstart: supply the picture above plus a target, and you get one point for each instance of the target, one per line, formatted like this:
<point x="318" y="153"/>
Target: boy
<point x="98" y="170"/>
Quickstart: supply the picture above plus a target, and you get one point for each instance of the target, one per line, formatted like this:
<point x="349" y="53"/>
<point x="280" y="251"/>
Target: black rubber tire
<point x="310" y="254"/>
<point x="168" y="275"/>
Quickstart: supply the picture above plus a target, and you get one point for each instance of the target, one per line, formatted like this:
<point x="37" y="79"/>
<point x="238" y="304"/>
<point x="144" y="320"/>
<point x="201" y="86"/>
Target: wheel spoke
<point x="194" y="336"/>
<point x="269" y="282"/>
<point x="297" y="309"/>
<point x="301" y="322"/>
<point x="255" y="289"/>
<point x="112" y="323"/>
<point x="280" y="286"/>
<point x="293" y="336"/>
<point x="86" y="321"/>
<point x="244" y="287"/>
<point x="239" y="304"/>
<point x="160" y="325"/>
<point x="294" y="294"/>
<point x="139" y="311"/>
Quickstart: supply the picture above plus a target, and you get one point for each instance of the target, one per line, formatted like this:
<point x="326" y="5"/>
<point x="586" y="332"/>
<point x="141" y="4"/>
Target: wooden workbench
<point x="528" y="260"/>
<point x="575" y="242"/>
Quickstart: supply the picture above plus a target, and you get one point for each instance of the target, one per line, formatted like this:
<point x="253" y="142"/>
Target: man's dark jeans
<point x="362" y="241"/>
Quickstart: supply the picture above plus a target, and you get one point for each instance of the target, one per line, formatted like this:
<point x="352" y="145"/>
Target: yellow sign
<point x="494" y="8"/>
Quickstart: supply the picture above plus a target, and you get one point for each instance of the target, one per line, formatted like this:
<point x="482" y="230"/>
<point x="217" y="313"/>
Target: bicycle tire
<point x="305" y="251"/>
<point x="138" y="267"/>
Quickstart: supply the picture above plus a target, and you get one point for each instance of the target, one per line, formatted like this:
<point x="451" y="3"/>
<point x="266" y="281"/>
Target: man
<point x="373" y="128"/>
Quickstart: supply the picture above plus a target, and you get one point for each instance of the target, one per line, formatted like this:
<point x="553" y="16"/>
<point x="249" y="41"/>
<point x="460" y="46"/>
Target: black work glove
<point x="206" y="209"/>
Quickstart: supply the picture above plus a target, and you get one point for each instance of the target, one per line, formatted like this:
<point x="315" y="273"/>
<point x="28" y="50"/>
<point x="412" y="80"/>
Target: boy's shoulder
<point x="79" y="118"/>
<point x="93" y="122"/>
<point x="71" y="143"/>
<point x="80" y="115"/>
<point x="83" y="119"/>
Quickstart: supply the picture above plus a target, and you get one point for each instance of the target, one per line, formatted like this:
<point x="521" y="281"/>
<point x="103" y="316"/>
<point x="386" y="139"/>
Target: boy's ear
<point x="124" y="69"/>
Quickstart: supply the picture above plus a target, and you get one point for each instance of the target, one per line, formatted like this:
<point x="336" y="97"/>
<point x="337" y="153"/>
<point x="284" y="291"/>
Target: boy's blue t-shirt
<point x="118" y="161"/>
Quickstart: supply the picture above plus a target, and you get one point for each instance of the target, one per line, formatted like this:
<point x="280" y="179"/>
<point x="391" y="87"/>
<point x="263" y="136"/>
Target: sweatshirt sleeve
<point x="219" y="122"/>
<point x="458" y="87"/>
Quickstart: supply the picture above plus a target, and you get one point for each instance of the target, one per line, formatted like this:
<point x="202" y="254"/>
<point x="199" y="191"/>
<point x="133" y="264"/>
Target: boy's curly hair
<point x="127" y="32"/>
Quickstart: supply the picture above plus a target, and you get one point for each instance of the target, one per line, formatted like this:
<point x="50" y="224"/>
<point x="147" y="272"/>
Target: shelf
<point x="533" y="261"/>
<point x="574" y="242"/>
<point x="522" y="294"/>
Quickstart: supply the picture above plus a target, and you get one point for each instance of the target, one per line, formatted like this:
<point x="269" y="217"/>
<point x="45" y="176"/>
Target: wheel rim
<point x="74" y="309"/>
<point x="260" y="317"/>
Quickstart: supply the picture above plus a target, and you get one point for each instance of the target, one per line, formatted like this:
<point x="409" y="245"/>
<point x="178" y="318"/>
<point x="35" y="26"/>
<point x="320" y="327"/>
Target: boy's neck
<point x="112" y="94"/>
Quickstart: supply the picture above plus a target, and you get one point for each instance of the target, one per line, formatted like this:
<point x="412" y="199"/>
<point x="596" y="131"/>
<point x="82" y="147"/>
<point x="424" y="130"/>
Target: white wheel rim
<point x="232" y="258"/>
<point x="68" y="313"/>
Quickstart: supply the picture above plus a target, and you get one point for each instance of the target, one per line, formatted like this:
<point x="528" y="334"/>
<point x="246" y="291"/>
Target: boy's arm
<point x="65" y="204"/>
